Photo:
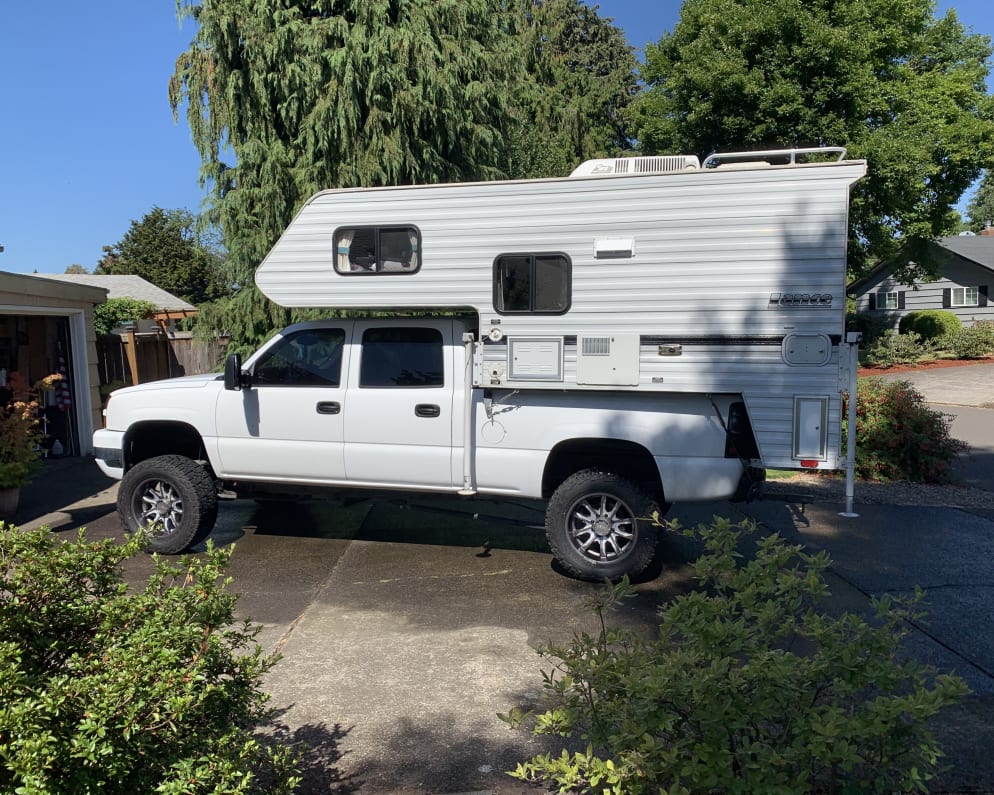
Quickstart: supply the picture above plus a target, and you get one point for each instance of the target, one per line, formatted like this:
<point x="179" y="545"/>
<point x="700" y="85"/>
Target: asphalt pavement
<point x="404" y="627"/>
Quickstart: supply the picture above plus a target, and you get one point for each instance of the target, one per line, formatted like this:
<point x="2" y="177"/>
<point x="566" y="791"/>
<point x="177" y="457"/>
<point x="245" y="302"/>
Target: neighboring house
<point x="169" y="308"/>
<point x="966" y="275"/>
<point x="47" y="327"/>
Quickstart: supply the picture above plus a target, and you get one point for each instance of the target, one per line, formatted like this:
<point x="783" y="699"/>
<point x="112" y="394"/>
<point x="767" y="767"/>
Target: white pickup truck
<point x="381" y="404"/>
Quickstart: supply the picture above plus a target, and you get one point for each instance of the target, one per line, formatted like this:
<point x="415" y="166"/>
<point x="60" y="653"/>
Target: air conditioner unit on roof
<point x="661" y="164"/>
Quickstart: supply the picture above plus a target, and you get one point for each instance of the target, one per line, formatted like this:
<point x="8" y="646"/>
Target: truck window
<point x="536" y="284"/>
<point x="305" y="358"/>
<point x="401" y="357"/>
<point x="377" y="249"/>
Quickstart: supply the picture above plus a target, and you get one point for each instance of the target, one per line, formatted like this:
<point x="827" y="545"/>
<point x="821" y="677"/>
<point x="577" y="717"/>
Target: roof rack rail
<point x="715" y="160"/>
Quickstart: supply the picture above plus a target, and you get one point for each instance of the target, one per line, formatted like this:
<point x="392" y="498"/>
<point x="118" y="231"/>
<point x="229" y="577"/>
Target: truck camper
<point x="645" y="331"/>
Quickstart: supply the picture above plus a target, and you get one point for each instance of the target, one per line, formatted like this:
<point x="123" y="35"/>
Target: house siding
<point x="929" y="295"/>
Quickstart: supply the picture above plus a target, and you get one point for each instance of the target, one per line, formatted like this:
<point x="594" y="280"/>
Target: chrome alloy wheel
<point x="159" y="506"/>
<point x="601" y="527"/>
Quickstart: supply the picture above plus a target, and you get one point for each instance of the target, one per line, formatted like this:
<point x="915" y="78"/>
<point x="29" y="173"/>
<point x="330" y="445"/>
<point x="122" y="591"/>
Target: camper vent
<point x="663" y="164"/>
<point x="596" y="346"/>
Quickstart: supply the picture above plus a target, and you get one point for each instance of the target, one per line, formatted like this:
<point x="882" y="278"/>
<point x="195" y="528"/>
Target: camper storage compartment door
<point x="535" y="358"/>
<point x="810" y="428"/>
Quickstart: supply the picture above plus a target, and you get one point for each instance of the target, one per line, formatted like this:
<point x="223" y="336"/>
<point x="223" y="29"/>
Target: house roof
<point x="22" y="284"/>
<point x="126" y="287"/>
<point x="978" y="249"/>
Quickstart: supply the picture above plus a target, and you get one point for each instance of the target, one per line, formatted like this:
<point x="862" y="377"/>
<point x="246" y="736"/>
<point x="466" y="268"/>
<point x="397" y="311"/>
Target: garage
<point x="46" y="327"/>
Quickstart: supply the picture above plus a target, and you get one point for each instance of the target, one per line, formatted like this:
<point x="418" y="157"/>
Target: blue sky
<point x="87" y="138"/>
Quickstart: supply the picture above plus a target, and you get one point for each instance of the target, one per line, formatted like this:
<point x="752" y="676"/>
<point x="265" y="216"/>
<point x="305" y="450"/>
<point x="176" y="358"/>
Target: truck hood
<point x="184" y="382"/>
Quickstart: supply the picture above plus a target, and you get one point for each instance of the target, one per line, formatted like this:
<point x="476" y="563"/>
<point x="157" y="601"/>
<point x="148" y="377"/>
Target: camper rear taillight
<point x="739" y="439"/>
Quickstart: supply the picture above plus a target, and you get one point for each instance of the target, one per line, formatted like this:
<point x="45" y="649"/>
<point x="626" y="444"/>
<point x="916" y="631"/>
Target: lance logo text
<point x="814" y="300"/>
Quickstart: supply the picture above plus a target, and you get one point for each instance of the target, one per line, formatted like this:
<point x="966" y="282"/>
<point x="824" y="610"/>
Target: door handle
<point x="427" y="410"/>
<point x="329" y="407"/>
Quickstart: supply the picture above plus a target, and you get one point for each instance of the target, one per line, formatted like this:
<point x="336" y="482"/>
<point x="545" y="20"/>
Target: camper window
<point x="537" y="284"/>
<point x="377" y="249"/>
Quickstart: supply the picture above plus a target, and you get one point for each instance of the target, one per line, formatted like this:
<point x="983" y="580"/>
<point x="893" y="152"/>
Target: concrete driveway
<point x="405" y="627"/>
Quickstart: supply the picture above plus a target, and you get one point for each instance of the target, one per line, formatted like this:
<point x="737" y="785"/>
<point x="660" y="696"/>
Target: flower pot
<point x="9" y="497"/>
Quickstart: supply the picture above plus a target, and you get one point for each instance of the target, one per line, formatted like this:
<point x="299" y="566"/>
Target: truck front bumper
<point x="108" y="451"/>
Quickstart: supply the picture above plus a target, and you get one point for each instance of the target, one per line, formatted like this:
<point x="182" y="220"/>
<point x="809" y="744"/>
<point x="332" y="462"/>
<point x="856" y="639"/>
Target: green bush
<point x="102" y="690"/>
<point x="891" y="349"/>
<point x="749" y="687"/>
<point x="930" y="324"/>
<point x="899" y="436"/>
<point x="116" y="311"/>
<point x="973" y="342"/>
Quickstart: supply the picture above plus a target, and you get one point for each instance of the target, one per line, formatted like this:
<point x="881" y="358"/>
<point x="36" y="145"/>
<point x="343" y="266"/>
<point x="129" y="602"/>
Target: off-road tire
<point x="173" y="497"/>
<point x="599" y="525"/>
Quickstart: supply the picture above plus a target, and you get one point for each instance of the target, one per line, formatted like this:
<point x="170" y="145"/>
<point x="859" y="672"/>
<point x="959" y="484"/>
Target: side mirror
<point x="233" y="379"/>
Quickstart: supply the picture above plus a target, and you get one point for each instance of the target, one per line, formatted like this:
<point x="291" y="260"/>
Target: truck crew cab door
<point x="289" y="424"/>
<point x="398" y="413"/>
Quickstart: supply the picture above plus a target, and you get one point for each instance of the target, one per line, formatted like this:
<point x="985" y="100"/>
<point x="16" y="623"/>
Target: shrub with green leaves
<point x="891" y="349"/>
<point x="117" y="311"/>
<point x="749" y="687"/>
<point x="930" y="324"/>
<point x="973" y="342"/>
<point x="899" y="436"/>
<point x="117" y="692"/>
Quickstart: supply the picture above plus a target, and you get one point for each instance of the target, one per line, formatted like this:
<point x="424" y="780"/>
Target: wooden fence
<point x="155" y="356"/>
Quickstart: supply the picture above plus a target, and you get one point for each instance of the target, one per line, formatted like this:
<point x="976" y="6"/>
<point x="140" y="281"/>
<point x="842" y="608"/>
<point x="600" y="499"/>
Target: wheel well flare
<point x="629" y="459"/>
<point x="152" y="439"/>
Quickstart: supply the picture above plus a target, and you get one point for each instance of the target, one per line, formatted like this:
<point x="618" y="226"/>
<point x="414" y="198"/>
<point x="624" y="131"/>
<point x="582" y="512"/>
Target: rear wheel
<point x="172" y="497"/>
<point x="600" y="525"/>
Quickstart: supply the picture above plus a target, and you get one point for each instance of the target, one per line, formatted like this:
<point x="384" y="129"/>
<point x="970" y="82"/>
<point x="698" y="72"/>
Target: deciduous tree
<point x="884" y="78"/>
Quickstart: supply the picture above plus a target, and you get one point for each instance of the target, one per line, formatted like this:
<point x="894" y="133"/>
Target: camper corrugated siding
<point x="710" y="248"/>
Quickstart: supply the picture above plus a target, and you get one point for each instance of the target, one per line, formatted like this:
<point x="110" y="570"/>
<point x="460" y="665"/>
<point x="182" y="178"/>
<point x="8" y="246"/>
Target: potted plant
<point x="20" y="438"/>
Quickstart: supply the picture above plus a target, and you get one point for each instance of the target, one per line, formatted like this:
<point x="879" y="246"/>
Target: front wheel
<point x="172" y="497"/>
<point x="600" y="525"/>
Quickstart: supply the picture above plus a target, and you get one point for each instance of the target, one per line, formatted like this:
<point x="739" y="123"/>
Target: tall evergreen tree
<point x="165" y="249"/>
<point x="286" y="97"/>
<point x="581" y="80"/>
<point x="884" y="78"/>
